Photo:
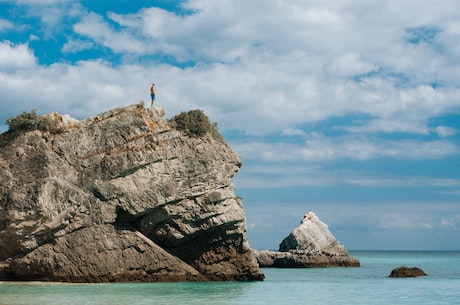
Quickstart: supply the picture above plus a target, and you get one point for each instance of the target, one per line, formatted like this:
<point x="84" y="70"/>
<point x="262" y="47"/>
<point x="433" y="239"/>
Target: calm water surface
<point x="368" y="284"/>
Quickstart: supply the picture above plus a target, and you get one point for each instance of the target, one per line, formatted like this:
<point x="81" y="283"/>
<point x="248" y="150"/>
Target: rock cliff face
<point x="311" y="244"/>
<point x="120" y="196"/>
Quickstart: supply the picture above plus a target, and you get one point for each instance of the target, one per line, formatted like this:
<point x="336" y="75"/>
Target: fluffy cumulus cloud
<point x="95" y="27"/>
<point x="15" y="57"/>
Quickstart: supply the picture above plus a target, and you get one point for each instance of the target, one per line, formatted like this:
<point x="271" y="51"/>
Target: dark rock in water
<point x="404" y="271"/>
<point x="121" y="196"/>
<point x="309" y="245"/>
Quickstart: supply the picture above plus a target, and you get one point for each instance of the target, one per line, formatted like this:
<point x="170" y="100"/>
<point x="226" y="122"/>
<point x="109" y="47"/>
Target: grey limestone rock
<point x="311" y="244"/>
<point x="312" y="235"/>
<point x="120" y="196"/>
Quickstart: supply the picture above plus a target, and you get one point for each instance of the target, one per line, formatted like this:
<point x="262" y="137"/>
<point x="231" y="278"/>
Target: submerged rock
<point x="121" y="196"/>
<point x="311" y="244"/>
<point x="404" y="271"/>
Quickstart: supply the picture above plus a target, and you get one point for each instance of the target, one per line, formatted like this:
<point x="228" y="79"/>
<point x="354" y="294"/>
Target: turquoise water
<point x="368" y="284"/>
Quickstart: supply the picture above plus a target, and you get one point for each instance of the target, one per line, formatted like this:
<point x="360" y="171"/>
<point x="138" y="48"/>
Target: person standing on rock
<point x="152" y="94"/>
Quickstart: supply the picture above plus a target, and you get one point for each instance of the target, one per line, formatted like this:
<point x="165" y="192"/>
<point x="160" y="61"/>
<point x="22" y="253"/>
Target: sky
<point x="348" y="108"/>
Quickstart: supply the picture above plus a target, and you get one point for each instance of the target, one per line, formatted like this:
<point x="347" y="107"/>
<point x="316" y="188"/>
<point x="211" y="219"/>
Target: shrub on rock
<point x="195" y="123"/>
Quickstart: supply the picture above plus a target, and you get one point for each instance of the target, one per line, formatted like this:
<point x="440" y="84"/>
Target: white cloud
<point x="318" y="147"/>
<point x="33" y="37"/>
<point x="452" y="222"/>
<point x="280" y="175"/>
<point x="293" y="132"/>
<point x="95" y="27"/>
<point x="55" y="16"/>
<point x="15" y="56"/>
<point x="5" y="25"/>
<point x="349" y="65"/>
<point x="394" y="215"/>
<point x="73" y="46"/>
<point x="42" y="2"/>
<point x="444" y="131"/>
<point x="404" y="221"/>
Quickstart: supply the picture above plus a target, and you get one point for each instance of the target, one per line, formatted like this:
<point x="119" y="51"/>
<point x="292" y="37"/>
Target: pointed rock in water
<point x="121" y="196"/>
<point x="311" y="244"/>
<point x="312" y="235"/>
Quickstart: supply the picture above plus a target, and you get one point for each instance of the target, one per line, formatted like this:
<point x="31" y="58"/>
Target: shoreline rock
<point x="121" y="196"/>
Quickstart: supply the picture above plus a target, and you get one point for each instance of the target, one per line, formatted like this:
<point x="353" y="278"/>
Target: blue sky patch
<point x="421" y="34"/>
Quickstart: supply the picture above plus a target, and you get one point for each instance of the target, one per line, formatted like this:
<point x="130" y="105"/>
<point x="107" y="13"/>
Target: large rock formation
<point x="120" y="196"/>
<point x="311" y="244"/>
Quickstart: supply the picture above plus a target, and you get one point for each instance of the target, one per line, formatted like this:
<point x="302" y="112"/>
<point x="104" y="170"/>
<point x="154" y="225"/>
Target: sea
<point x="368" y="284"/>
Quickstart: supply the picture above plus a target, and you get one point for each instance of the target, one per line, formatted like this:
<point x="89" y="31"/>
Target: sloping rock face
<point x="311" y="244"/>
<point x="120" y="197"/>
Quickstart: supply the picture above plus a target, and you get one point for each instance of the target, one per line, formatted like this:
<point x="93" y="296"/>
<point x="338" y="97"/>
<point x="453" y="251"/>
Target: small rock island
<point x="309" y="245"/>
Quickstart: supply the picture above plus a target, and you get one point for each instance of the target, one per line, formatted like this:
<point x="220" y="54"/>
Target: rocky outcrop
<point x="121" y="196"/>
<point x="312" y="235"/>
<point x="303" y="259"/>
<point x="311" y="244"/>
<point x="404" y="271"/>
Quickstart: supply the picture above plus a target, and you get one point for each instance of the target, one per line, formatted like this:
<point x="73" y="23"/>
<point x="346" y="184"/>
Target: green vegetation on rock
<point x="195" y="123"/>
<point x="26" y="120"/>
<point x="31" y="120"/>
